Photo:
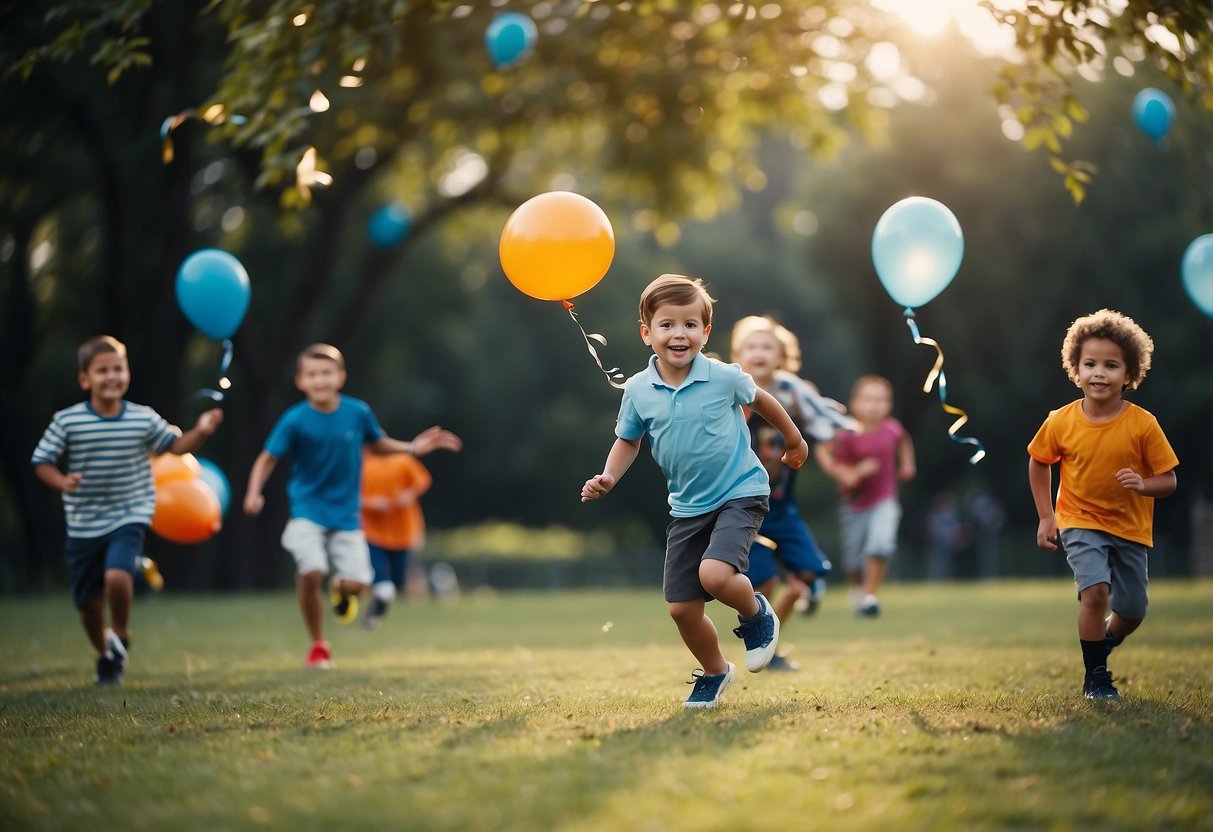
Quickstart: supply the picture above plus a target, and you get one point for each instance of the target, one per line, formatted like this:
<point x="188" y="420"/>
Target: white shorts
<point x="316" y="548"/>
<point x="869" y="533"/>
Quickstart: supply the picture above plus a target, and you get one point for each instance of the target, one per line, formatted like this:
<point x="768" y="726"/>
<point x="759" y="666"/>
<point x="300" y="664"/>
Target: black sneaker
<point x="109" y="671"/>
<point x="708" y="689"/>
<point x="1098" y="685"/>
<point x="374" y="613"/>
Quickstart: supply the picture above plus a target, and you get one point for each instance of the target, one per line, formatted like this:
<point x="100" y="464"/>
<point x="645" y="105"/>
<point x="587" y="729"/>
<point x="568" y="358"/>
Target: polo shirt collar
<point x="701" y="370"/>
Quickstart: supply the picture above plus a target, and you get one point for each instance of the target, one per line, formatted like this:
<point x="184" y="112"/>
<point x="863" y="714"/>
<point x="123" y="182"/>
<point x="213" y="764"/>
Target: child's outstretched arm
<point x="193" y="438"/>
<point x="907" y="467"/>
<point x="1161" y="485"/>
<point x="623" y="454"/>
<point x="1040" y="480"/>
<point x="796" y="450"/>
<point x="429" y="440"/>
<point x="263" y="466"/>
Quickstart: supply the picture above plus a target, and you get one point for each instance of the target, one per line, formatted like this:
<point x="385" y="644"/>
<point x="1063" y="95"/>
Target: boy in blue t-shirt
<point x="109" y="494"/>
<point x="690" y="406"/>
<point x="325" y="436"/>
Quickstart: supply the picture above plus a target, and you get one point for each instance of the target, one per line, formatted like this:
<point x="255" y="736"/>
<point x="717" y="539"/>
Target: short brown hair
<point x="321" y="351"/>
<point x="864" y="381"/>
<point x="94" y="347"/>
<point x="1112" y="326"/>
<point x="674" y="290"/>
<point x="747" y="326"/>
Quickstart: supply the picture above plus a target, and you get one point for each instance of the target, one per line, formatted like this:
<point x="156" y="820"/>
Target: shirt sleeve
<point x="52" y="444"/>
<point x="160" y="434"/>
<point x="629" y="425"/>
<point x="1043" y="447"/>
<point x="372" y="431"/>
<point x="744" y="388"/>
<point x="1157" y="451"/>
<point x="278" y="443"/>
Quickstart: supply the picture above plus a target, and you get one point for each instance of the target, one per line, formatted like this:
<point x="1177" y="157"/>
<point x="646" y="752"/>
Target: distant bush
<point x="501" y="540"/>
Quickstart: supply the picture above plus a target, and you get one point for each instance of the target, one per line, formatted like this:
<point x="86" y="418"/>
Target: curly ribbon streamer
<point x="938" y="373"/>
<point x="224" y="382"/>
<point x="214" y="114"/>
<point x="614" y="376"/>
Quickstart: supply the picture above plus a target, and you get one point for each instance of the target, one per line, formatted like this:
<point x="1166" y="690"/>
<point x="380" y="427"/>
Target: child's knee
<point x="1094" y="595"/>
<point x="685" y="612"/>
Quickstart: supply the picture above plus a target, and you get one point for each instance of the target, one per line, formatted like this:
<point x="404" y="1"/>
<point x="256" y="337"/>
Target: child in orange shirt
<point x="1115" y="460"/>
<point x="392" y="522"/>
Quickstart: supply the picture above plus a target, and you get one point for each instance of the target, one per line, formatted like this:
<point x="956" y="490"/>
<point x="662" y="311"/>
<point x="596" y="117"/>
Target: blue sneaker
<point x="117" y="648"/>
<point x="760" y="634"/>
<point x="708" y="689"/>
<point x="1098" y="685"/>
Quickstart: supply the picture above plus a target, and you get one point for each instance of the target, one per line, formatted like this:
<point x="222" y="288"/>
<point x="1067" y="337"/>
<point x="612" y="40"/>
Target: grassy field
<point x="958" y="709"/>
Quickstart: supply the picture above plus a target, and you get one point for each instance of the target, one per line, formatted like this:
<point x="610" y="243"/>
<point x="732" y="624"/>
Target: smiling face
<point x="106" y="380"/>
<point x="321" y="380"/>
<point x="676" y="334"/>
<point x="760" y="355"/>
<point x="1102" y="371"/>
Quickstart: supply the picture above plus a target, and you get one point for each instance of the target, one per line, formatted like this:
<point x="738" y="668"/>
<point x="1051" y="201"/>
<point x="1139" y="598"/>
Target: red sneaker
<point x="320" y="657"/>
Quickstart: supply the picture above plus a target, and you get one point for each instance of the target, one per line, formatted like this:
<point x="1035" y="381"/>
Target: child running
<point x="1115" y="461"/>
<point x="690" y="407"/>
<point x="109" y="494"/>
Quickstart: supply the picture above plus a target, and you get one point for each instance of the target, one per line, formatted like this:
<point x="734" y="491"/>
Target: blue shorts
<point x="389" y="564"/>
<point x="88" y="559"/>
<point x="795" y="547"/>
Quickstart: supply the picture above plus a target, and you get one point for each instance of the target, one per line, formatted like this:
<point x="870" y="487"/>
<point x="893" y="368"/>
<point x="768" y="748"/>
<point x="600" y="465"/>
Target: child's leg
<point x="699" y="635"/>
<point x="307" y="587"/>
<point x="1120" y="627"/>
<point x="786" y="602"/>
<point x="1092" y="610"/>
<point x="119" y="590"/>
<point x="92" y="617"/>
<point x="728" y="586"/>
<point x="875" y="570"/>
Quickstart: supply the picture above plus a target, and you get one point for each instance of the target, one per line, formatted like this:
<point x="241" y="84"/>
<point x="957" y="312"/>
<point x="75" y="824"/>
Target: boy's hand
<point x="253" y="503"/>
<point x="597" y="486"/>
<point x="1046" y="534"/>
<point x="433" y="439"/>
<point x="1131" y="480"/>
<point x="795" y="457"/>
<point x="209" y="420"/>
<point x="70" y="482"/>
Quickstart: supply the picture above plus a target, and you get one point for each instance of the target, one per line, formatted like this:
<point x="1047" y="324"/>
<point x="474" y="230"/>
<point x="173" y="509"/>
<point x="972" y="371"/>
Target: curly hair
<point x="747" y="326"/>
<point x="1121" y="330"/>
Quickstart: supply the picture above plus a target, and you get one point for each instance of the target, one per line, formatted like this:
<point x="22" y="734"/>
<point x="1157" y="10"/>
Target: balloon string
<point x="224" y="383"/>
<point x="614" y="376"/>
<point x="938" y="373"/>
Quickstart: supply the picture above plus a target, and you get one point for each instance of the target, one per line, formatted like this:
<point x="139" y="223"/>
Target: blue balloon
<point x="917" y="247"/>
<point x="1198" y="272"/>
<point x="213" y="475"/>
<point x="389" y="225"/>
<point x="213" y="292"/>
<point x="1153" y="111"/>
<point x="510" y="38"/>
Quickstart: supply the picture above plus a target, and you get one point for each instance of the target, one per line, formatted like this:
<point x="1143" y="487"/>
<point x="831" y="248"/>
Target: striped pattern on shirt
<point x="111" y="455"/>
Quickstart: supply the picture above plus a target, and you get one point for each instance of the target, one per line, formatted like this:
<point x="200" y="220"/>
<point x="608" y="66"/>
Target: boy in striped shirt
<point x="109" y="495"/>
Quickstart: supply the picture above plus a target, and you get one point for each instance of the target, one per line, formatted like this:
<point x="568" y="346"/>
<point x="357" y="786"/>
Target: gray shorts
<point x="724" y="534"/>
<point x="1101" y="558"/>
<point x="316" y="548"/>
<point x="869" y="533"/>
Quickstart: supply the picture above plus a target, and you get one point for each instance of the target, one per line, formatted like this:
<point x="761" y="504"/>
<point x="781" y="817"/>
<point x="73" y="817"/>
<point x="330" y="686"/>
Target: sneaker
<point x="117" y="649"/>
<point x="708" y="689"/>
<point x="1098" y="685"/>
<point x="760" y="634"/>
<point x="869" y="607"/>
<point x="345" y="607"/>
<point x="151" y="574"/>
<point x="320" y="657"/>
<point x="782" y="664"/>
<point x="374" y="613"/>
<point x="109" y="671"/>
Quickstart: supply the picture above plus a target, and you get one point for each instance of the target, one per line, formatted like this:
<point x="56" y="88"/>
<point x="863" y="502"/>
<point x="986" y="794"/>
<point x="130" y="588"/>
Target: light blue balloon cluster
<point x="1153" y="110"/>
<point x="917" y="247"/>
<point x="510" y="38"/>
<point x="213" y="291"/>
<point x="1198" y="272"/>
<point x="389" y="225"/>
<point x="213" y="475"/>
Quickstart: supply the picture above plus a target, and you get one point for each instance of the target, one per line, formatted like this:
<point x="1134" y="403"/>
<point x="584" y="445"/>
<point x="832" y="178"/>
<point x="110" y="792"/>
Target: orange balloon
<point x="187" y="510"/>
<point x="175" y="467"/>
<point x="556" y="245"/>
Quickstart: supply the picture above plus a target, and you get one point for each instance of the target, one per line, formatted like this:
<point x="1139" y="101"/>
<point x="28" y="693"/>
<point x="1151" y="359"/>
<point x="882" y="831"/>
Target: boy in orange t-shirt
<point x="1115" y="460"/>
<point x="392" y="522"/>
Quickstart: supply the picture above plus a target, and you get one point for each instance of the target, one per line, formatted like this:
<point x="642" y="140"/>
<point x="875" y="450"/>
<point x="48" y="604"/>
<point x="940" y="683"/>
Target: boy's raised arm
<point x="193" y="438"/>
<point x="623" y="454"/>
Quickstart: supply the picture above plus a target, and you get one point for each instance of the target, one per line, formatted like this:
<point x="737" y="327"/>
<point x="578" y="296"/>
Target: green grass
<point x="958" y="709"/>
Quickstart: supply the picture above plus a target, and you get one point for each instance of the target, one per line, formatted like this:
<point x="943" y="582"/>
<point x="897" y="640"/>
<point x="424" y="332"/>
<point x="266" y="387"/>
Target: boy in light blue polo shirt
<point x="690" y="406"/>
